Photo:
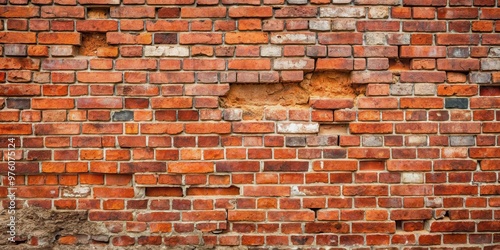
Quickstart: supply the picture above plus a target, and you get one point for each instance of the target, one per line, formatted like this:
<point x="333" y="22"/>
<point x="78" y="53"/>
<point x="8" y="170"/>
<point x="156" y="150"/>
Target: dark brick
<point x="169" y="12"/>
<point x="334" y="153"/>
<point x="456" y="103"/>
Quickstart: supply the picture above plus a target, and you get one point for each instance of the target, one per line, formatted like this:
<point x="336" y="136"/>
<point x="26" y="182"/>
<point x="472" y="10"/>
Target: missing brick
<point x="399" y="225"/>
<point x="253" y="98"/>
<point x="53" y="228"/>
<point x="91" y="42"/>
<point x="97" y="13"/>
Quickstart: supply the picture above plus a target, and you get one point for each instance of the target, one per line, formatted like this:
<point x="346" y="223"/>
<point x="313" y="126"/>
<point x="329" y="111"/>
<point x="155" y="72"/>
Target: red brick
<point x="376" y="128"/>
<point x="17" y="37"/>
<point x="249" y="64"/>
<point x="457" y="13"/>
<point x="368" y="153"/>
<point x="334" y="64"/>
<point x="372" y="25"/>
<point x="458" y="226"/>
<point x="245" y="12"/>
<point x="366" y="190"/>
<point x="456" y="128"/>
<point x="340" y="38"/>
<point x="19" y="11"/>
<point x="373" y="227"/>
<point x="331" y="103"/>
<point x="457" y="39"/>
<point x="203" y="12"/>
<point x="201" y="38"/>
<point x="266" y="191"/>
<point x="246" y="38"/>
<point x="190" y="167"/>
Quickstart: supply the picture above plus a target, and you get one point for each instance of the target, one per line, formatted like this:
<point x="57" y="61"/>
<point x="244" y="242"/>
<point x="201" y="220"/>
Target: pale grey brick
<point x="402" y="89"/>
<point x="462" y="140"/>
<point x="425" y="89"/>
<point x="378" y="12"/>
<point x="490" y="64"/>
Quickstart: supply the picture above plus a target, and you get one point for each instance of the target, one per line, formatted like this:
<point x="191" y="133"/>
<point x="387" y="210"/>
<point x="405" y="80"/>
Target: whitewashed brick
<point x="416" y="140"/>
<point x="298" y="127"/>
<point x="344" y="24"/>
<point x="375" y="38"/>
<point x="290" y="38"/>
<point x="173" y="51"/>
<point x="490" y="64"/>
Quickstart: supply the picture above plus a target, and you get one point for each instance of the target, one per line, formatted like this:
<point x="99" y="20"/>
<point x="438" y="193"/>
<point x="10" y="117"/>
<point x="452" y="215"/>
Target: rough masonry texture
<point x="251" y="124"/>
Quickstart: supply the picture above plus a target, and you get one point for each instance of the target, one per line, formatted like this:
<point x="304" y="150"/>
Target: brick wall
<point x="251" y="123"/>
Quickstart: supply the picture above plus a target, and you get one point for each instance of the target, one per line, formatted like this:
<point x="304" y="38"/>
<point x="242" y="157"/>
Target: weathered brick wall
<point x="251" y="123"/>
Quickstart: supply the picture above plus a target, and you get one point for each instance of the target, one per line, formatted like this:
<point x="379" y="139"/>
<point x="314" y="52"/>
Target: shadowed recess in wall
<point x="254" y="98"/>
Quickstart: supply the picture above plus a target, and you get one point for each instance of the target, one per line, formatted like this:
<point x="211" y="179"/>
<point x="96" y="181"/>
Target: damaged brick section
<point x="39" y="228"/>
<point x="253" y="99"/>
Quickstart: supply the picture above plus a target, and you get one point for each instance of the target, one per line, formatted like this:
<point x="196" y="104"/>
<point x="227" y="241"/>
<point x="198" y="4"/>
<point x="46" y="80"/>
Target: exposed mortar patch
<point x="90" y="43"/>
<point x="253" y="98"/>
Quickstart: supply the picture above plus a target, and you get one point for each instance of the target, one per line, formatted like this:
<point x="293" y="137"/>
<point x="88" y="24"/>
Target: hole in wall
<point x="253" y="98"/>
<point x="91" y="42"/>
<point x="399" y="64"/>
<point x="97" y="13"/>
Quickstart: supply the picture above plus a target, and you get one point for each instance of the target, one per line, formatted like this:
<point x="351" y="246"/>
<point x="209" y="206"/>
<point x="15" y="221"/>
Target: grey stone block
<point x="462" y="141"/>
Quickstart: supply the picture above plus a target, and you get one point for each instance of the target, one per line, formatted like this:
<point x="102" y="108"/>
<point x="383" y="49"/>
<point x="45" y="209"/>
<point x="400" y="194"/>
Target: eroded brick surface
<point x="203" y="124"/>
